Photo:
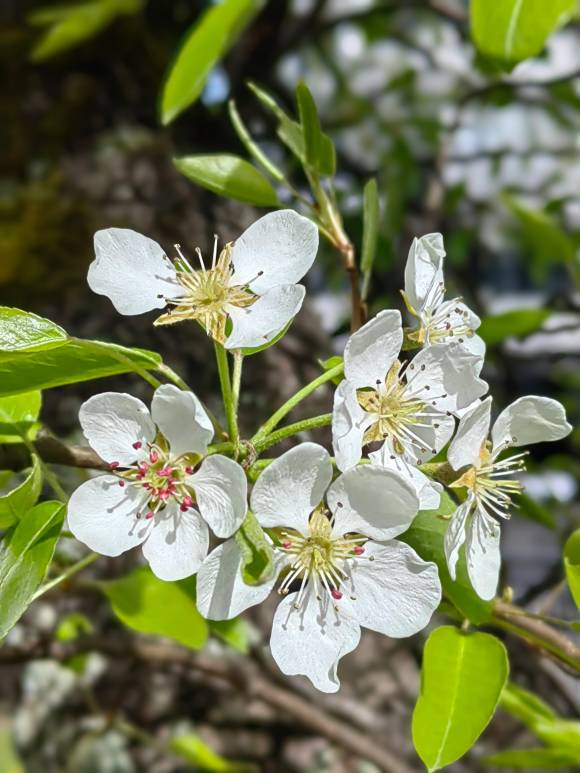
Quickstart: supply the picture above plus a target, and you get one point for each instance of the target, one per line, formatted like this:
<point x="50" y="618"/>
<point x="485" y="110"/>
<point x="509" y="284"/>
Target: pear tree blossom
<point x="440" y="321"/>
<point x="490" y="479"/>
<point x="406" y="407"/>
<point x="245" y="297"/>
<point x="162" y="491"/>
<point x="337" y="564"/>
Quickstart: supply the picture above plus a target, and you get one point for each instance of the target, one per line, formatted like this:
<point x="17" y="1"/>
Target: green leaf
<point x="371" y="214"/>
<point x="21" y="330"/>
<point x="147" y="604"/>
<point x="522" y="322"/>
<point x="513" y="30"/>
<point x="233" y="632"/>
<point x="18" y="413"/>
<point x="206" y="43"/>
<point x="71" y="25"/>
<point x="289" y="131"/>
<point x="534" y="759"/>
<point x="11" y="762"/>
<point x="195" y="751"/>
<point x="74" y="361"/>
<point x="462" y="678"/>
<point x="25" y="554"/>
<point x="258" y="560"/>
<point x="252" y="147"/>
<point x="229" y="176"/>
<point x="19" y="501"/>
<point x="572" y="565"/>
<point x="310" y="124"/>
<point x="426" y="536"/>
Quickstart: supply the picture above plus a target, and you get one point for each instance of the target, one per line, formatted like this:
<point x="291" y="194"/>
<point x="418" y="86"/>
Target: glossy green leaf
<point x="513" y="30"/>
<point x="195" y="751"/>
<point x="233" y="632"/>
<point x="18" y="413"/>
<point x="229" y="176"/>
<point x="572" y="565"/>
<point x="206" y="43"/>
<point x="426" y="536"/>
<point x="24" y="331"/>
<point x="371" y="214"/>
<point x="74" y="361"/>
<point x="521" y="322"/>
<point x="258" y="559"/>
<point x="289" y="131"/>
<point x="25" y="554"/>
<point x="310" y="124"/>
<point x="17" y="502"/>
<point x="147" y="604"/>
<point x="462" y="677"/>
<point x="71" y="25"/>
<point x="540" y="758"/>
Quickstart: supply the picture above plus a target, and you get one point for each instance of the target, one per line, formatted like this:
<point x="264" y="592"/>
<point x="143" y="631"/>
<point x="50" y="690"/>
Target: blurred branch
<point x="241" y="676"/>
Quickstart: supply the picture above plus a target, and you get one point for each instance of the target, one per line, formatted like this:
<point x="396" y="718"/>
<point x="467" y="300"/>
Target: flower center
<point x="447" y="321"/>
<point x="319" y="557"/>
<point x="208" y="293"/>
<point x="397" y="407"/>
<point x="162" y="477"/>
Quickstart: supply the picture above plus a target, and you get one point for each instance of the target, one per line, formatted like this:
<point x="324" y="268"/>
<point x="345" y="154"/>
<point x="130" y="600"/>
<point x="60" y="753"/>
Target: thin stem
<point x="293" y="429"/>
<point x="277" y="417"/>
<point x="227" y="392"/>
<point x="237" y="378"/>
<point x="69" y="572"/>
<point x="50" y="477"/>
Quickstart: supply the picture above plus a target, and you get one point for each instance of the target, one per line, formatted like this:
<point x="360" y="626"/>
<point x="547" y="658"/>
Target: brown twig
<point x="15" y="456"/>
<point x="248" y="681"/>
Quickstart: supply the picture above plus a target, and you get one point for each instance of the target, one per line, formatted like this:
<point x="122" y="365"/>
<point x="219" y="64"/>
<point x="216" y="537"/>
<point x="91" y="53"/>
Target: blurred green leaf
<point x="71" y="25"/>
<point x="533" y="510"/>
<point x="258" y="559"/>
<point x="24" y="331"/>
<point x="147" y="604"/>
<point x="11" y="762"/>
<point x="72" y="627"/>
<point x="229" y="176"/>
<point x="289" y="131"/>
<point x="519" y="323"/>
<point x="206" y="43"/>
<point x="195" y="751"/>
<point x="18" y="413"/>
<point x="25" y="554"/>
<point x="233" y="632"/>
<point x="371" y="214"/>
<point x="572" y="565"/>
<point x="513" y="30"/>
<point x="310" y="124"/>
<point x="540" y="758"/>
<point x="19" y="501"/>
<point x="426" y="536"/>
<point x="462" y="678"/>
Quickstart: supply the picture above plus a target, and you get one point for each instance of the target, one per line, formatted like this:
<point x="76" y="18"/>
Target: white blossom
<point x="489" y="479"/>
<point x="440" y="321"/>
<point x="407" y="407"/>
<point x="245" y="298"/>
<point x="161" y="492"/>
<point x="341" y="568"/>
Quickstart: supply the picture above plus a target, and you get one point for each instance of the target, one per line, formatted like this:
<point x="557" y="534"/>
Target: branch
<point x="250" y="682"/>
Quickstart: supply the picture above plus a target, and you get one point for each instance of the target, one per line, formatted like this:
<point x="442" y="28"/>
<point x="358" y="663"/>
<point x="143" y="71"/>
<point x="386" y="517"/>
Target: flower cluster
<point x="336" y="563"/>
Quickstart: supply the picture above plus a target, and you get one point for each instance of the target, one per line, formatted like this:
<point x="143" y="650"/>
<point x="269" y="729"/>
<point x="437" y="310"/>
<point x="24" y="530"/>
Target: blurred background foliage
<point x="460" y="138"/>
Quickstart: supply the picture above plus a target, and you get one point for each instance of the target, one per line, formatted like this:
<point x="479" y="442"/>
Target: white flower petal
<point x="483" y="554"/>
<point x="436" y="433"/>
<point x="349" y="422"/>
<point x="424" y="271"/>
<point x="281" y="244"/>
<point x="291" y="487"/>
<point x="312" y="639"/>
<point x="112" y="422"/>
<point x="221" y="591"/>
<point x="132" y="271"/>
<point x="475" y="345"/>
<point x="177" y="543"/>
<point x="182" y="419"/>
<point x="221" y="490"/>
<point x="455" y="535"/>
<point x="428" y="491"/>
<point x="451" y="374"/>
<point x="374" y="501"/>
<point x="471" y="434"/>
<point x="263" y="320"/>
<point x="104" y="516"/>
<point x="530" y="420"/>
<point x="396" y="594"/>
<point x="370" y="352"/>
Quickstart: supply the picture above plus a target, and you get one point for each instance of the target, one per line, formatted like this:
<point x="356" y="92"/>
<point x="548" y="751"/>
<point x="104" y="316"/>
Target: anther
<point x="189" y="469"/>
<point x="114" y="465"/>
<point x="336" y="594"/>
<point x="359" y="550"/>
<point x="154" y="457"/>
<point x="150" y="515"/>
<point x="286" y="544"/>
<point x="121" y="483"/>
<point x="137" y="445"/>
